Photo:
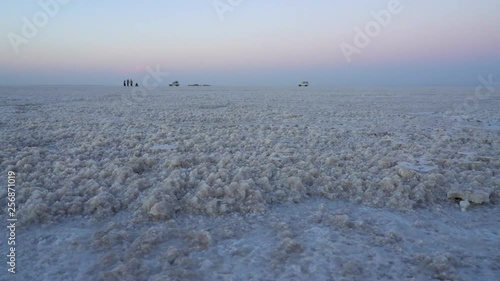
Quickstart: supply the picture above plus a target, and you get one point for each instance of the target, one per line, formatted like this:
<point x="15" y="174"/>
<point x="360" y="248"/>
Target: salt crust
<point x="158" y="160"/>
<point x="251" y="157"/>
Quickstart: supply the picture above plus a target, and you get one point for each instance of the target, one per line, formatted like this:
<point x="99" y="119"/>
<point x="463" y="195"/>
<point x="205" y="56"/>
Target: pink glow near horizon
<point x="417" y="45"/>
<point x="257" y="39"/>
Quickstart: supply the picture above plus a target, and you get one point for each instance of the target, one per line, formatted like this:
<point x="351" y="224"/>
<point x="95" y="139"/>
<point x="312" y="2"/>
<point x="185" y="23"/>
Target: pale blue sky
<point x="281" y="42"/>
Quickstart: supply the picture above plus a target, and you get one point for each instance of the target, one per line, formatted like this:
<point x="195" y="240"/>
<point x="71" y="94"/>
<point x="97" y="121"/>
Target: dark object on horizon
<point x="128" y="82"/>
<point x="124" y="83"/>
<point x="304" y="84"/>
<point x="131" y="83"/>
<point x="136" y="84"/>
<point x="175" y="83"/>
<point x="198" y="85"/>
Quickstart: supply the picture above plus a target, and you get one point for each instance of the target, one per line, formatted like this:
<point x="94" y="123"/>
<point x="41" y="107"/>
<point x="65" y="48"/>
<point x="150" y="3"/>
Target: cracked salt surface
<point x="251" y="184"/>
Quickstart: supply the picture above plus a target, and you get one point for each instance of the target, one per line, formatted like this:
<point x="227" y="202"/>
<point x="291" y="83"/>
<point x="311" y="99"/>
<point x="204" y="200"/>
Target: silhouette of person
<point x="131" y="83"/>
<point x="124" y="83"/>
<point x="137" y="85"/>
<point x="128" y="82"/>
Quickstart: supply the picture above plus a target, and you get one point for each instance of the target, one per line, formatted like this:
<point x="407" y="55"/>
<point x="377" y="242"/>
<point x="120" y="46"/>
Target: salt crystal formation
<point x="234" y="158"/>
<point x="464" y="204"/>
<point x="476" y="196"/>
<point x="102" y="155"/>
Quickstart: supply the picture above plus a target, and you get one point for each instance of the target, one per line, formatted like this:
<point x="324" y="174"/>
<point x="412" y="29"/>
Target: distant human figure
<point x="131" y="83"/>
<point x="124" y="83"/>
<point x="137" y="85"/>
<point x="128" y="83"/>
